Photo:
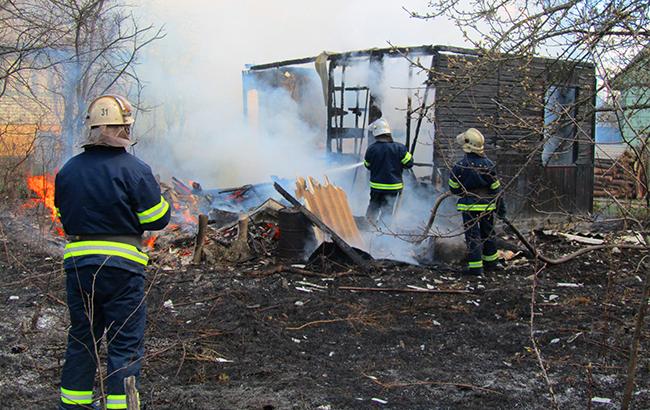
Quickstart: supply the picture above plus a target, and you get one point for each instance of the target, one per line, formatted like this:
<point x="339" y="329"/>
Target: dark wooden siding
<point x="504" y="97"/>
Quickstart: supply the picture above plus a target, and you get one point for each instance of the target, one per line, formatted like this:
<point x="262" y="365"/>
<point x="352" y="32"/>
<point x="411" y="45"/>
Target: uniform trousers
<point x="381" y="202"/>
<point x="479" y="237"/>
<point x="106" y="305"/>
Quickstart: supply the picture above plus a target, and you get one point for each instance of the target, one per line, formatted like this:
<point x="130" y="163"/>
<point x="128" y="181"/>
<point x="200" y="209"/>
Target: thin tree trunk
<point x="638" y="331"/>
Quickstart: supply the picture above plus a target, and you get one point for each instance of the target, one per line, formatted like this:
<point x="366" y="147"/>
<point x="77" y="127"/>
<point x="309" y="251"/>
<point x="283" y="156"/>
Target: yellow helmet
<point x="472" y="141"/>
<point x="109" y="110"/>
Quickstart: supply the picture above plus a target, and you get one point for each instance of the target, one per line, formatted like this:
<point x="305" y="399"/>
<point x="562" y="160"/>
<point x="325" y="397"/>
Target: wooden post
<point x="347" y="249"/>
<point x="200" y="238"/>
<point x="239" y="247"/>
<point x="132" y="399"/>
<point x="242" y="229"/>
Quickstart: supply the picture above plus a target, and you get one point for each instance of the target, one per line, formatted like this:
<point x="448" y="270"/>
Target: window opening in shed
<point x="560" y="126"/>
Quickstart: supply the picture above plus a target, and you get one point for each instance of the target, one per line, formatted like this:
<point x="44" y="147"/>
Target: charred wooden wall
<point x="504" y="97"/>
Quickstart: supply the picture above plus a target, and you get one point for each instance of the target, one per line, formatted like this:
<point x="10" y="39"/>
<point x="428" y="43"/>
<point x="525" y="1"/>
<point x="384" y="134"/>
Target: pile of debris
<point x="216" y="227"/>
<point x="254" y="234"/>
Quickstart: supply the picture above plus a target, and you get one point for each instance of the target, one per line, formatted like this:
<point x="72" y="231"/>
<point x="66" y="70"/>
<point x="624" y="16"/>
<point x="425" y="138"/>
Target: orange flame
<point x="189" y="218"/>
<point x="150" y="241"/>
<point x="43" y="187"/>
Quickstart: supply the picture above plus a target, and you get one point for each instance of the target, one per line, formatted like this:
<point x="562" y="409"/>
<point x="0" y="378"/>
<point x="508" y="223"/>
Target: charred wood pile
<point x="216" y="227"/>
<point x="225" y="239"/>
<point x="254" y="234"/>
<point x="184" y="201"/>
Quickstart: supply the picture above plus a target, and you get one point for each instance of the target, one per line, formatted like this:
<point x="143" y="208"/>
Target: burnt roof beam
<point x="349" y="55"/>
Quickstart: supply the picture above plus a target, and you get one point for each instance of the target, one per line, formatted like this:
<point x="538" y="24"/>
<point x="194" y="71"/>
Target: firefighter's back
<point x="96" y="190"/>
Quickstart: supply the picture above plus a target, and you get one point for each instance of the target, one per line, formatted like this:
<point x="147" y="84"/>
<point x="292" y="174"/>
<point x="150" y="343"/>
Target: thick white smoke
<point x="194" y="126"/>
<point x="193" y="86"/>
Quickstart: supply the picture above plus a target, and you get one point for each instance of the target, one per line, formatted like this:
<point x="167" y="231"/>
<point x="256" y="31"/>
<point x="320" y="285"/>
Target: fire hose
<point x="536" y="254"/>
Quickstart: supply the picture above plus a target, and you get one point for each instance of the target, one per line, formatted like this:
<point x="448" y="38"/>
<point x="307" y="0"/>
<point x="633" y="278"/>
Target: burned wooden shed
<point x="536" y="113"/>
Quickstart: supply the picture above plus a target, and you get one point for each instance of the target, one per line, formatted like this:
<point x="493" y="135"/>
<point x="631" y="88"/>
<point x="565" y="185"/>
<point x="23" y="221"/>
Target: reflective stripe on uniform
<point x="476" y="207"/>
<point x="475" y="264"/>
<point x="386" y="187"/>
<point x="58" y="213"/>
<point x="116" y="401"/>
<point x="83" y="248"/>
<point x="453" y="183"/>
<point x="154" y="213"/>
<point x="407" y="158"/>
<point x="366" y="163"/>
<point x="496" y="184"/>
<point x="491" y="258"/>
<point x="76" y="396"/>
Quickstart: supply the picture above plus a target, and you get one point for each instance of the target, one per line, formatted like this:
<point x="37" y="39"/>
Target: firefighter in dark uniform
<point x="475" y="180"/>
<point x="106" y="199"/>
<point x="386" y="159"/>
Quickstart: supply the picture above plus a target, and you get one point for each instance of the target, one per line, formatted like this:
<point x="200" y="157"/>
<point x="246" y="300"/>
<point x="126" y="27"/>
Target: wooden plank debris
<point x="582" y="239"/>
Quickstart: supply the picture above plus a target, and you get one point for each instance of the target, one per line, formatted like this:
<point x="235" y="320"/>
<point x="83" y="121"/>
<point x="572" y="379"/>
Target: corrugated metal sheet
<point x="330" y="204"/>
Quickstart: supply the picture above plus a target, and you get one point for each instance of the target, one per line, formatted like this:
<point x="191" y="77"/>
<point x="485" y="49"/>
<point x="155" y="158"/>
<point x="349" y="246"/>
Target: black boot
<point x="493" y="266"/>
<point x="473" y="272"/>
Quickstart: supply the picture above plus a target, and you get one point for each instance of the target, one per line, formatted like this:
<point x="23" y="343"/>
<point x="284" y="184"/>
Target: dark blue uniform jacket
<point x="386" y="160"/>
<point x="104" y="194"/>
<point x="475" y="180"/>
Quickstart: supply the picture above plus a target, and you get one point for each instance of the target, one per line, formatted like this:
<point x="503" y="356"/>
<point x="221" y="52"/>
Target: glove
<point x="501" y="208"/>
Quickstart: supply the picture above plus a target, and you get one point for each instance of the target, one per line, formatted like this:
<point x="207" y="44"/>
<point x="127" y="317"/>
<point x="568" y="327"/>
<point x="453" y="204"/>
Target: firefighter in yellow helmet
<point x="474" y="180"/>
<point x="106" y="199"/>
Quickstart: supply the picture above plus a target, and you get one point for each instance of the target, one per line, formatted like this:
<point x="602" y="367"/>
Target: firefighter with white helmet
<point x="475" y="180"/>
<point x="106" y="199"/>
<point x="386" y="159"/>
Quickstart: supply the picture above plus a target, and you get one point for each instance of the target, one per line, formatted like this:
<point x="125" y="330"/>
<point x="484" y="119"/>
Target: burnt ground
<point x="249" y="336"/>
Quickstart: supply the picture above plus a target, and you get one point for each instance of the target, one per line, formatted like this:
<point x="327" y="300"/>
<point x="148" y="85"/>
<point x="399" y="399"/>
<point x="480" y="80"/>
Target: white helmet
<point x="109" y="110"/>
<point x="379" y="127"/>
<point x="471" y="141"/>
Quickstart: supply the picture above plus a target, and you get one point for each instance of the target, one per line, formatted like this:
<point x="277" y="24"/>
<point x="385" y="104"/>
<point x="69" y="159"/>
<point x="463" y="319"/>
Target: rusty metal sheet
<point x="330" y="204"/>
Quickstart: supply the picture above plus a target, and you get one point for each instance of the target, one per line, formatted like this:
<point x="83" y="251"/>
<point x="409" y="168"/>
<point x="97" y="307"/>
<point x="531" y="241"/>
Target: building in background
<point x="30" y="129"/>
<point x="537" y="114"/>
<point x="633" y="84"/>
